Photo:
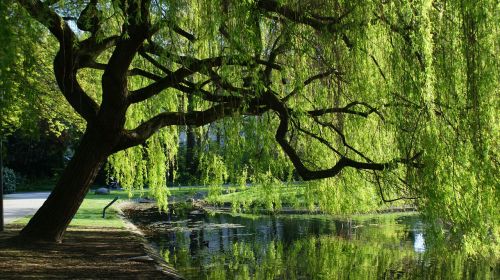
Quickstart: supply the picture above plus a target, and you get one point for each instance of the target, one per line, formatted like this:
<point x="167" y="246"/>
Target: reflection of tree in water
<point x="333" y="258"/>
<point x="293" y="248"/>
<point x="344" y="229"/>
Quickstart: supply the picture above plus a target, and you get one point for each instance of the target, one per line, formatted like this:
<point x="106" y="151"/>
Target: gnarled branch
<point x="140" y="134"/>
<point x="281" y="137"/>
<point x="66" y="58"/>
<point x="319" y="23"/>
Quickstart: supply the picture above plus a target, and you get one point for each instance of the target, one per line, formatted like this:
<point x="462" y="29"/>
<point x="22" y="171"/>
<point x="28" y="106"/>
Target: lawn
<point x="90" y="212"/>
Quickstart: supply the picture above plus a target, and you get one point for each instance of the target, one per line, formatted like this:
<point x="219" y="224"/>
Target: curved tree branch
<point x="195" y="65"/>
<point x="46" y="16"/>
<point x="320" y="139"/>
<point x="281" y="137"/>
<point x="66" y="59"/>
<point x="342" y="138"/>
<point x="310" y="80"/>
<point x="155" y="88"/>
<point x="347" y="109"/>
<point x="89" y="50"/>
<point x="141" y="133"/>
<point x="319" y="23"/>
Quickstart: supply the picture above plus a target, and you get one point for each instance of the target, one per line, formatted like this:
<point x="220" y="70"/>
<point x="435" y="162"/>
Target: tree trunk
<point x="51" y="220"/>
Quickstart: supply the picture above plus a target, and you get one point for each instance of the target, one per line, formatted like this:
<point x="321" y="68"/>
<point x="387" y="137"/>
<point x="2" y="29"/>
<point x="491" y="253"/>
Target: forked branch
<point x="281" y="137"/>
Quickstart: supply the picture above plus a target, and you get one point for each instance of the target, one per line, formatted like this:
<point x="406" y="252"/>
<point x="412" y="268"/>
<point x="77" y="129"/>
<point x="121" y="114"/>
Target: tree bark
<point x="51" y="220"/>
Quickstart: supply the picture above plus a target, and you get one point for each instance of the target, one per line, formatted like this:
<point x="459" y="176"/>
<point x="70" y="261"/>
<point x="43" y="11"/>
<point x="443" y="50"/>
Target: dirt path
<point x="85" y="254"/>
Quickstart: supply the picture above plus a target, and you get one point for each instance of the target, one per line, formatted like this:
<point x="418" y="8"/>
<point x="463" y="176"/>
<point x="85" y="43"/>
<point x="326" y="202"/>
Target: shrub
<point x="9" y="180"/>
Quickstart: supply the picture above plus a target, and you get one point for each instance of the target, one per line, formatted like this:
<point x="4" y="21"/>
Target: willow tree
<point x="377" y="90"/>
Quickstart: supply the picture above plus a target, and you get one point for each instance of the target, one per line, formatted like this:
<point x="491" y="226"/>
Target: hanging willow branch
<point x="226" y="96"/>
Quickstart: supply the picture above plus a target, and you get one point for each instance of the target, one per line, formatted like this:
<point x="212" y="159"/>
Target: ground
<point x="86" y="253"/>
<point x="93" y="247"/>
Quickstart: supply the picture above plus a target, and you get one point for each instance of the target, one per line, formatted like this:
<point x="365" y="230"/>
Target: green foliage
<point x="342" y="196"/>
<point x="9" y="180"/>
<point x="456" y="128"/>
<point x="423" y="76"/>
<point x="28" y="91"/>
<point x="214" y="173"/>
<point x="7" y="57"/>
<point x="330" y="196"/>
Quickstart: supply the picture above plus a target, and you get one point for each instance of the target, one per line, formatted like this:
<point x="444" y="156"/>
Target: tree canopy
<point x="397" y="97"/>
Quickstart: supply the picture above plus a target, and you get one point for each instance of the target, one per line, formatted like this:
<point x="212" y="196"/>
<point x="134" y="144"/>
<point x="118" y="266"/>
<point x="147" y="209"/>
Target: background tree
<point x="374" y="94"/>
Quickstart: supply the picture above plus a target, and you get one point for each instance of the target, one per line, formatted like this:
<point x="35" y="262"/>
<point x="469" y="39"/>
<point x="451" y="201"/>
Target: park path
<point x="18" y="205"/>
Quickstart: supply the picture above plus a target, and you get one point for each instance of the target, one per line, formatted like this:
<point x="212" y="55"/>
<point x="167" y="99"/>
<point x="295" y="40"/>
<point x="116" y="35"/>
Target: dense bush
<point x="9" y="180"/>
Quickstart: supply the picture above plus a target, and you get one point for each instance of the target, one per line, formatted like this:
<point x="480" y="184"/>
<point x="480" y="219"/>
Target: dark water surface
<point x="225" y="246"/>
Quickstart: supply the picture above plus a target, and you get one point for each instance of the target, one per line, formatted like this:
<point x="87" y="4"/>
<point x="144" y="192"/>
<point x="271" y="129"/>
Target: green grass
<point x="186" y="190"/>
<point x="90" y="212"/>
<point x="181" y="194"/>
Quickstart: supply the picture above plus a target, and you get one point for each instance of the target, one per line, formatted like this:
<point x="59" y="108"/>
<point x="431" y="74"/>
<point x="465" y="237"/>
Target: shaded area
<point x="85" y="254"/>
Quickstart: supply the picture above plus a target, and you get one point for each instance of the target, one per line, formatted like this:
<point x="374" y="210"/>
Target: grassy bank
<point x="305" y="197"/>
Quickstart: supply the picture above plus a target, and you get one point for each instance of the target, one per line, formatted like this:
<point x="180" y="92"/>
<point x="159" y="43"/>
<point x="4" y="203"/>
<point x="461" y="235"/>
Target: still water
<point x="226" y="246"/>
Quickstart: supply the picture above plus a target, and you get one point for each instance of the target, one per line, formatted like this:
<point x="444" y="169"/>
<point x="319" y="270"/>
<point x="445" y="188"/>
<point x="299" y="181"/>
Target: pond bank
<point x="300" y="211"/>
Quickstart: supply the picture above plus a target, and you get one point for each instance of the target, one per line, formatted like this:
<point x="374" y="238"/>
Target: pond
<point x="231" y="246"/>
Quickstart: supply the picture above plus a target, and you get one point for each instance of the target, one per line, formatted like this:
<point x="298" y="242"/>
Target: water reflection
<point x="419" y="243"/>
<point x="308" y="247"/>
